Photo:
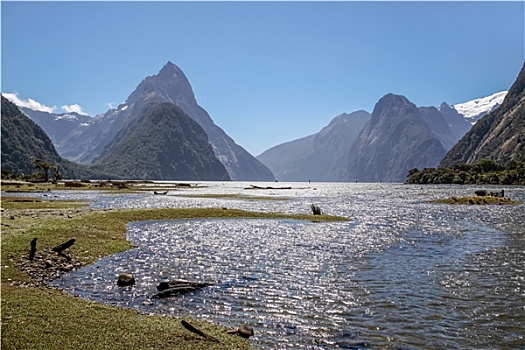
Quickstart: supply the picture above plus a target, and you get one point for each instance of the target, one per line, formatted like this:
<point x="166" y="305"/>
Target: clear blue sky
<point x="266" y="72"/>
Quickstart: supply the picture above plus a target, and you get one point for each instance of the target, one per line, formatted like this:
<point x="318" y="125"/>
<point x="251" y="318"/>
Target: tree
<point x="44" y="167"/>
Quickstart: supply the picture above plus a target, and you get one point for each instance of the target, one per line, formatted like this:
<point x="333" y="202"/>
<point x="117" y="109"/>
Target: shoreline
<point x="27" y="298"/>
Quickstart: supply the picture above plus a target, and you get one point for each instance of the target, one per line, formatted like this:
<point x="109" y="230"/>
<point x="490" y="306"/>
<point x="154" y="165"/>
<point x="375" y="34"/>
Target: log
<point x="60" y="248"/>
<point x="253" y="187"/>
<point x="32" y="251"/>
<point x="174" y="291"/>
<point x="179" y="284"/>
<point x="195" y="330"/>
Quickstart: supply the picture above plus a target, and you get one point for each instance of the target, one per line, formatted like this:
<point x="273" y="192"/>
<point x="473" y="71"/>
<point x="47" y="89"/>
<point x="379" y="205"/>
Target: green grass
<point x="13" y="202"/>
<point x="49" y="319"/>
<point x="41" y="318"/>
<point x="477" y="200"/>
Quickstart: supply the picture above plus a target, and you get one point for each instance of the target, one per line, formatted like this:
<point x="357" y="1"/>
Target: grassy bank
<point x="42" y="318"/>
<point x="477" y="200"/>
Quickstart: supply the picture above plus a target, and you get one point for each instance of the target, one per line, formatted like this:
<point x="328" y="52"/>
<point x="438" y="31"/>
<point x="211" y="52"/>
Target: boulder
<point x="125" y="279"/>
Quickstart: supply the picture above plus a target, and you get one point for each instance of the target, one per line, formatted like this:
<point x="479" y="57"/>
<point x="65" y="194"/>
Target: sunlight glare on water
<point x="401" y="273"/>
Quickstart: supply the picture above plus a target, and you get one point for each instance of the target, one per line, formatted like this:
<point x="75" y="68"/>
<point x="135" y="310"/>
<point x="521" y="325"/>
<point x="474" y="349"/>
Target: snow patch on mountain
<point x="476" y="109"/>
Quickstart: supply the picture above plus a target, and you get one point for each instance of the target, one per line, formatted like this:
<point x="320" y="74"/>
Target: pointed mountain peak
<point x="170" y="70"/>
<point x="169" y="85"/>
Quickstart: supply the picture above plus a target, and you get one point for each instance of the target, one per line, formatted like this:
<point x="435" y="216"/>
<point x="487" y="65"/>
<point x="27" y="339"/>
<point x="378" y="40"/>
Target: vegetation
<point x="476" y="200"/>
<point x="499" y="135"/>
<point x="28" y="153"/>
<point x="484" y="172"/>
<point x="42" y="318"/>
<point x="162" y="143"/>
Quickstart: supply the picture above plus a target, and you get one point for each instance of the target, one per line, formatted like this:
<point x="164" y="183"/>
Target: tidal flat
<point x="38" y="317"/>
<point x="397" y="272"/>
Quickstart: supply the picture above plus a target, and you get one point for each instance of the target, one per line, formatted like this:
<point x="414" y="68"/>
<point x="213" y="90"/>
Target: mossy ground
<point x="42" y="318"/>
<point x="477" y="200"/>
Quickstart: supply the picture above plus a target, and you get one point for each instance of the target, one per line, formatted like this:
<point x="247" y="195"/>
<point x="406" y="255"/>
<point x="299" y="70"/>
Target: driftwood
<point x="59" y="249"/>
<point x="195" y="330"/>
<point x="316" y="210"/>
<point x="177" y="287"/>
<point x="32" y="251"/>
<point x="253" y="187"/>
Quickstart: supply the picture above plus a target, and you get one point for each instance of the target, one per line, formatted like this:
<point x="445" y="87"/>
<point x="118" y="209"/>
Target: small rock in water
<point x="125" y="279"/>
<point x="244" y="331"/>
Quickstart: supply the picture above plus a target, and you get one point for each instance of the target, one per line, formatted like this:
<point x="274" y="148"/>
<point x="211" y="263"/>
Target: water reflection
<point x="401" y="274"/>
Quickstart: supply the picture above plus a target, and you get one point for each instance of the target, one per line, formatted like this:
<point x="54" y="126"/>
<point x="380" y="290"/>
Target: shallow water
<point x="401" y="274"/>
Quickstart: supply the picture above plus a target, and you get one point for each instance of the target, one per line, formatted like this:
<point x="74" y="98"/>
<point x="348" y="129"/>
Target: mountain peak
<point x="169" y="71"/>
<point x="479" y="107"/>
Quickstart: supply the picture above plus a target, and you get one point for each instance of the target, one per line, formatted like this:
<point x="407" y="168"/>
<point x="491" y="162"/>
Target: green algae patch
<point x="477" y="200"/>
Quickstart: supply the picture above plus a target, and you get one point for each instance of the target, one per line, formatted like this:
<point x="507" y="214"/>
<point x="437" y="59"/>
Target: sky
<point x="266" y="72"/>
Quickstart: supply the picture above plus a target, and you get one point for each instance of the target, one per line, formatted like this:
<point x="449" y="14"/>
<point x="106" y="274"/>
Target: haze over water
<point x="401" y="274"/>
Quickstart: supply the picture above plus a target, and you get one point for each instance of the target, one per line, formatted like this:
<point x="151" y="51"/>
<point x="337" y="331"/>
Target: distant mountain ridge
<point x="23" y="142"/>
<point x="394" y="140"/>
<point x="89" y="141"/>
<point x="325" y="156"/>
<point x="319" y="157"/>
<point x="498" y="136"/>
<point x="331" y="158"/>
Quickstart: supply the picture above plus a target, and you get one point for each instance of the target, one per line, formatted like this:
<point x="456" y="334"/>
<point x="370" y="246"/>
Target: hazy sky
<point x="266" y="72"/>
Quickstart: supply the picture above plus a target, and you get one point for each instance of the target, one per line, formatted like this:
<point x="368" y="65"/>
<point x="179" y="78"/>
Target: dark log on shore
<point x="253" y="187"/>
<point x="195" y="330"/>
<point x="60" y="248"/>
<point x="32" y="251"/>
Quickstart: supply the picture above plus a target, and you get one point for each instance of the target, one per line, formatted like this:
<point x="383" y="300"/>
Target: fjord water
<point x="402" y="273"/>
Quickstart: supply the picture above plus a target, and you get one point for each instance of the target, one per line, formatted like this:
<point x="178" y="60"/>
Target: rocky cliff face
<point x="169" y="85"/>
<point x="163" y="143"/>
<point x="320" y="157"/>
<point x="23" y="141"/>
<point x="499" y="136"/>
<point x="395" y="140"/>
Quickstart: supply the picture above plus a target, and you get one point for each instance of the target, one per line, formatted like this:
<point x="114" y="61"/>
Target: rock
<point x="125" y="279"/>
<point x="244" y="331"/>
<point x="480" y="193"/>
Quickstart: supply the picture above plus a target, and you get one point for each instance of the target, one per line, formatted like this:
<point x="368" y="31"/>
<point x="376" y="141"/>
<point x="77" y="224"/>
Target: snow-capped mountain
<point x="478" y="108"/>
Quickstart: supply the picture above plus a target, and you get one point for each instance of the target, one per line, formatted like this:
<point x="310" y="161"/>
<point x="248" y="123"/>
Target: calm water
<point x="401" y="274"/>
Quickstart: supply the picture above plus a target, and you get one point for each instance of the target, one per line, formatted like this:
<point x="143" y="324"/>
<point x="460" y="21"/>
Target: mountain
<point x="163" y="143"/>
<point x="438" y="125"/>
<point x="169" y="85"/>
<point x="319" y="157"/>
<point x="476" y="109"/>
<point x="457" y="122"/>
<point x="499" y="136"/>
<point x="23" y="141"/>
<point x="57" y="126"/>
<point x="394" y="140"/>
